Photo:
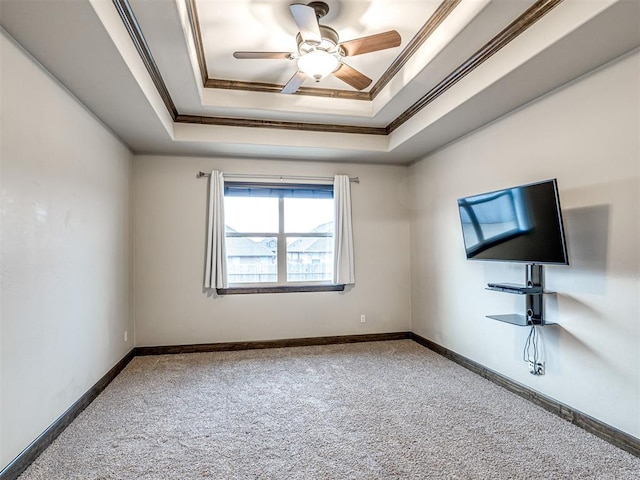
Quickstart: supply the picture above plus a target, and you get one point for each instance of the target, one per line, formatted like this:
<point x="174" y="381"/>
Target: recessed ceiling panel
<point x="227" y="26"/>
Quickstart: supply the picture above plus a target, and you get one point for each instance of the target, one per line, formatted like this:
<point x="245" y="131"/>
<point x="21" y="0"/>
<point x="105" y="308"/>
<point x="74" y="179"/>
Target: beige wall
<point x="169" y="236"/>
<point x="587" y="135"/>
<point x="64" y="253"/>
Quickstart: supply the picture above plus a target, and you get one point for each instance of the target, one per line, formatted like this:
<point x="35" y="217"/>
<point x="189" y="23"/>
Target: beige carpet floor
<point x="385" y="410"/>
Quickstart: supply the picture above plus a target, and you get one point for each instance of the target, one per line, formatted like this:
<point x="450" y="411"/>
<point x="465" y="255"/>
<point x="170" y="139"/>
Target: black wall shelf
<point x="533" y="290"/>
<point x="514" y="319"/>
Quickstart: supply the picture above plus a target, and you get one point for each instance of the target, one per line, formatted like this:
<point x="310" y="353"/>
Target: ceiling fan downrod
<point x="320" y="8"/>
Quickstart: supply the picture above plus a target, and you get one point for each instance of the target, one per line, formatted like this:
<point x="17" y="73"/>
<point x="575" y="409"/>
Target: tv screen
<point x="519" y="224"/>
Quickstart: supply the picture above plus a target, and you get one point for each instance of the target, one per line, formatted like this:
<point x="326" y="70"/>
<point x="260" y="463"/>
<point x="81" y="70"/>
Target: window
<point x="278" y="235"/>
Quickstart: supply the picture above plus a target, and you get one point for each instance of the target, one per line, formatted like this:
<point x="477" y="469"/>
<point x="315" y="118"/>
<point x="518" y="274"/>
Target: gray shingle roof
<point x="245" y="247"/>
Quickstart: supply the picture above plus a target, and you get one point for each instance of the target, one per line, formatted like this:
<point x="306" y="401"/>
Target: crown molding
<point x="534" y="13"/>
<point x="515" y="28"/>
<point x="275" y="88"/>
<point x="440" y="14"/>
<point x="131" y="24"/>
<point x="282" y="125"/>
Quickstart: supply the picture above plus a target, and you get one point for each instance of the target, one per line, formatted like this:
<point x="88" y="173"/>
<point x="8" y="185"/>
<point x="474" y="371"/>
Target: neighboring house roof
<point x="315" y="245"/>
<point x="245" y="247"/>
<point x="324" y="228"/>
<point x="270" y="244"/>
<point x="308" y="245"/>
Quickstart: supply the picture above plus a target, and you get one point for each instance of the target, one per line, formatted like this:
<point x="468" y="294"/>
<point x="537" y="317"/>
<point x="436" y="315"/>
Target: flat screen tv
<point x="519" y="224"/>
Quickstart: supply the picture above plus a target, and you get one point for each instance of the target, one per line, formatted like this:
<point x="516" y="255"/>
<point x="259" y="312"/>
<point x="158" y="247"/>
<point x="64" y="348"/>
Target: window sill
<point x="280" y="289"/>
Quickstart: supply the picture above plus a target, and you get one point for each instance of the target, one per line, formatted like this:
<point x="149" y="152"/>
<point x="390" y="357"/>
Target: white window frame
<point x="281" y="285"/>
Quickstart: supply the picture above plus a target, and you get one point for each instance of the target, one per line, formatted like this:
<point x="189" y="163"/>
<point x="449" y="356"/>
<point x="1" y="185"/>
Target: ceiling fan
<point x="319" y="51"/>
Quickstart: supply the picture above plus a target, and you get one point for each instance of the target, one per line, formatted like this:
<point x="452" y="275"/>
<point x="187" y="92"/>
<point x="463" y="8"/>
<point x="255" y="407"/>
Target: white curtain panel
<point x="344" y="272"/>
<point x="215" y="274"/>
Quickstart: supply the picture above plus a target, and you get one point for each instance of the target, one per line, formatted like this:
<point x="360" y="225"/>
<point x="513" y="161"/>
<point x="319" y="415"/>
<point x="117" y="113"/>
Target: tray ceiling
<point x="460" y="64"/>
<point x="230" y="25"/>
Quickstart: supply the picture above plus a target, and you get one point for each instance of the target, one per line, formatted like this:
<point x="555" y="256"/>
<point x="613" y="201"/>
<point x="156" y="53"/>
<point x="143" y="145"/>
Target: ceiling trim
<point x="192" y="14"/>
<point x="440" y="14"/>
<point x="276" y="88"/>
<point x="514" y="29"/>
<point x="131" y="24"/>
<point x="300" y="126"/>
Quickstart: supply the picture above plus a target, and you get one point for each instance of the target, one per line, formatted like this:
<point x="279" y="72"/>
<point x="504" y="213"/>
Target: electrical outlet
<point x="126" y="336"/>
<point x="536" y="369"/>
<point x="363" y="318"/>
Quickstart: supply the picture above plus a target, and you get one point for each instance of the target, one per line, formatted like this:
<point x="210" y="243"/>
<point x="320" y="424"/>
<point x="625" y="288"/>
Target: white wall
<point x="587" y="135"/>
<point x="65" y="245"/>
<point x="169" y="241"/>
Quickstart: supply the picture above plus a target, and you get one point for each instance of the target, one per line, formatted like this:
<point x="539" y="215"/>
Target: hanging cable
<point x="530" y="352"/>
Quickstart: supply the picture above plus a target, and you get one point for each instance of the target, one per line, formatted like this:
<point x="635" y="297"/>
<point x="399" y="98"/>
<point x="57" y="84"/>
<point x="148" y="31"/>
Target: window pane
<point x="246" y="214"/>
<point x="309" y="259"/>
<point x="308" y="215"/>
<point x="252" y="259"/>
<point x="249" y="189"/>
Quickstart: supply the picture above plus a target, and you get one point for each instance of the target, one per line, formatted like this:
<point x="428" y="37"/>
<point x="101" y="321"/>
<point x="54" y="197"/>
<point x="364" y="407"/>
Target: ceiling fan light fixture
<point x="317" y="64"/>
<point x="319" y="51"/>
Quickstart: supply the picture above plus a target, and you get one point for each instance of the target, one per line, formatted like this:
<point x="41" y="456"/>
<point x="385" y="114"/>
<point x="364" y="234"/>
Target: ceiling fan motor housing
<point x="329" y="41"/>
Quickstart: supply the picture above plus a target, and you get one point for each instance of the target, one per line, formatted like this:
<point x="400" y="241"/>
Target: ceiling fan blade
<point x="372" y="43"/>
<point x="307" y="22"/>
<point x="294" y="83"/>
<point x="264" y="55"/>
<point x="353" y="77"/>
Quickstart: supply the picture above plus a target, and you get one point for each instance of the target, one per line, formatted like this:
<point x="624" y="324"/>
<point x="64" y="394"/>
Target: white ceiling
<point x="86" y="46"/>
